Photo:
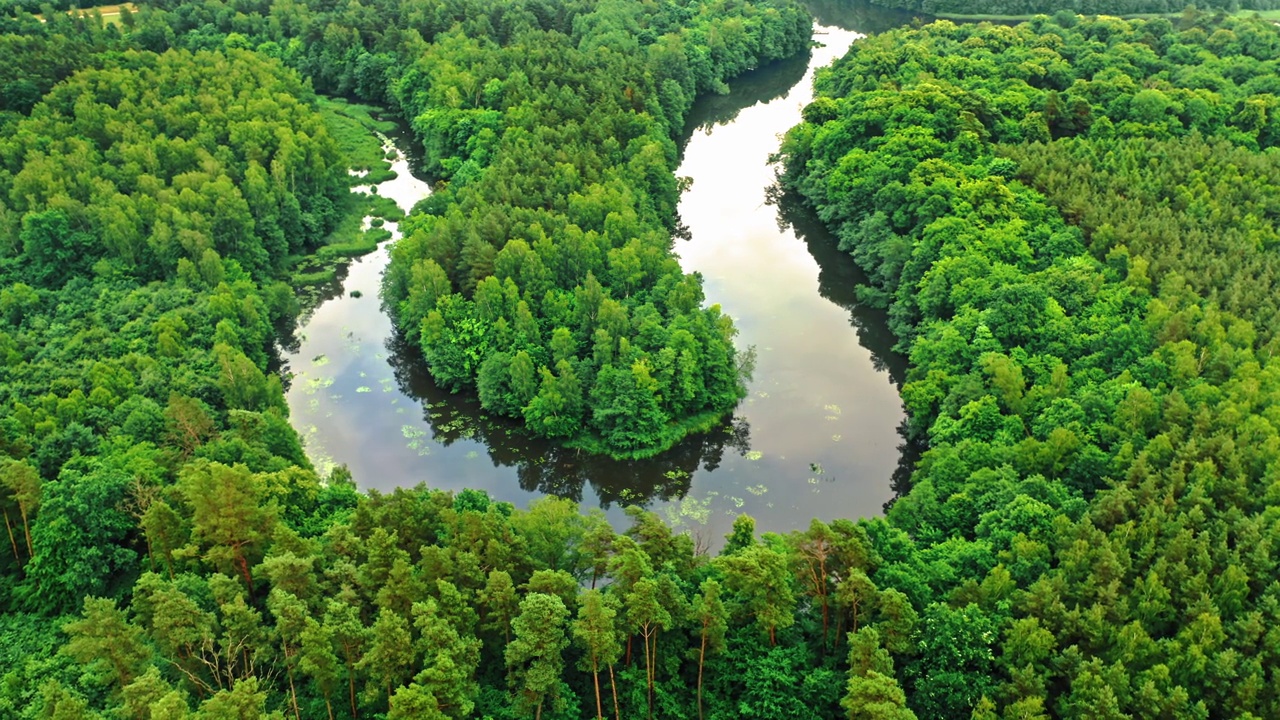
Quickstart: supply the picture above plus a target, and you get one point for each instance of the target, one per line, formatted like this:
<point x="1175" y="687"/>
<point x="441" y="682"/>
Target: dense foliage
<point x="1072" y="223"/>
<point x="152" y="485"/>
<point x="147" y="206"/>
<point x="540" y="275"/>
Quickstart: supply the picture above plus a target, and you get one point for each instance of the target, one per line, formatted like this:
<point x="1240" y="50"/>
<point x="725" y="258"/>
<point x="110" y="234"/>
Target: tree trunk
<point x="822" y="583"/>
<point x="328" y="705"/>
<point x="244" y="572"/>
<point x="537" y="715"/>
<point x="351" y="685"/>
<point x="595" y="675"/>
<point x="26" y="529"/>
<point x="773" y="640"/>
<point x="702" y="656"/>
<point x="648" y="676"/>
<point x="12" y="541"/>
<point x="617" y="713"/>
<point x="293" y="692"/>
<point x="151" y="555"/>
<point x="825" y="621"/>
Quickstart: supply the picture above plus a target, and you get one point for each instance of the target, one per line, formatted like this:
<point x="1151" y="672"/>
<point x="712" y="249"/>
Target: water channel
<point x="817" y="436"/>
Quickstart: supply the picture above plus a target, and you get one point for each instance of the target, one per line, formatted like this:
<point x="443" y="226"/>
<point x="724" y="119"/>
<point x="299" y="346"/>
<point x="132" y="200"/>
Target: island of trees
<point x="1072" y="223"/>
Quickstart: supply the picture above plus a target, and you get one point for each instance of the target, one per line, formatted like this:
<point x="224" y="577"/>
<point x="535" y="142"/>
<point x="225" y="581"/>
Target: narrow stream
<point x="816" y="437"/>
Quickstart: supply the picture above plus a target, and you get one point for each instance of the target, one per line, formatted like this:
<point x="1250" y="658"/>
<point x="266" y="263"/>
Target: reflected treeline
<point x="860" y="15"/>
<point x="758" y="86"/>
<point x="909" y="452"/>
<point x="544" y="467"/>
<point x="839" y="278"/>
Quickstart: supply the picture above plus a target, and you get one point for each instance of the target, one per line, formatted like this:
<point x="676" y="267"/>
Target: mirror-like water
<point x="815" y="438"/>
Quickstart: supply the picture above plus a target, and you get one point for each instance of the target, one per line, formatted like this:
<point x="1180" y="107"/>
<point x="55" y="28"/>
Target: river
<point x="817" y="435"/>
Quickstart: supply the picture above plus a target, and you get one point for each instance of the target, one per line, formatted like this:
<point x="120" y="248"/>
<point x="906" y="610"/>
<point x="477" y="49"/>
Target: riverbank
<point x="362" y="135"/>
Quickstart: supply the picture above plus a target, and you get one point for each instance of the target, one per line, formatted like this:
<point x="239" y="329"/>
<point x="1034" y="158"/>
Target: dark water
<point x="815" y="438"/>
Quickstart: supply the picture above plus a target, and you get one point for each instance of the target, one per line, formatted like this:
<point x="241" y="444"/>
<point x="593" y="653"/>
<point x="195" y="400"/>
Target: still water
<point x="817" y="435"/>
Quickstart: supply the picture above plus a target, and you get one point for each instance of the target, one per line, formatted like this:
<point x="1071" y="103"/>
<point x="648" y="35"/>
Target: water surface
<point x="815" y="438"/>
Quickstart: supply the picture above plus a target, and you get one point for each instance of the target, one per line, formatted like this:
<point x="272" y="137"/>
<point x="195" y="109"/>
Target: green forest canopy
<point x="1087" y="536"/>
<point x="1072" y="223"/>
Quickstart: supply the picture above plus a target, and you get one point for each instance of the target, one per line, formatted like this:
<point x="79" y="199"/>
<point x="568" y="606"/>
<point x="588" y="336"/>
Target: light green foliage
<point x="759" y="576"/>
<point x="873" y="693"/>
<point x="596" y="633"/>
<point x="108" y="643"/>
<point x="534" y="657"/>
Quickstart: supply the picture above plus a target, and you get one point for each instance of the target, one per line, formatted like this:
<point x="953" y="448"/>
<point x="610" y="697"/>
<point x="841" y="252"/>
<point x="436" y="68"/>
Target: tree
<point x="856" y="595"/>
<point x="105" y="640"/>
<point x="760" y="577"/>
<point x="166" y="531"/>
<point x="229" y="515"/>
<point x="499" y="604"/>
<point x="389" y="655"/>
<point x="317" y="659"/>
<point x="342" y="621"/>
<point x="291" y="622"/>
<point x="24" y="484"/>
<point x="873" y="692"/>
<point x="712" y="618"/>
<point x="534" y="656"/>
<point x="646" y="615"/>
<point x="595" y="633"/>
<point x="742" y="536"/>
<point x="954" y="668"/>
<point x="449" y="663"/>
<point x="597" y="543"/>
<point x="814" y="549"/>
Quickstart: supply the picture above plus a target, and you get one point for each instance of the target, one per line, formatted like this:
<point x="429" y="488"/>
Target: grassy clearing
<point x="354" y="127"/>
<point x="110" y="13"/>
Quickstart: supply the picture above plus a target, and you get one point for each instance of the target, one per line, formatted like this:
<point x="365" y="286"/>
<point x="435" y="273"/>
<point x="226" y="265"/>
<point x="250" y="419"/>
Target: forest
<point x="1071" y="223"/>
<point x="540" y="274"/>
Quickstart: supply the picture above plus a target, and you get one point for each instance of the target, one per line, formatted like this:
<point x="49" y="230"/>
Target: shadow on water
<point x="752" y="88"/>
<point x="544" y="467"/>
<point x="838" y="280"/>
